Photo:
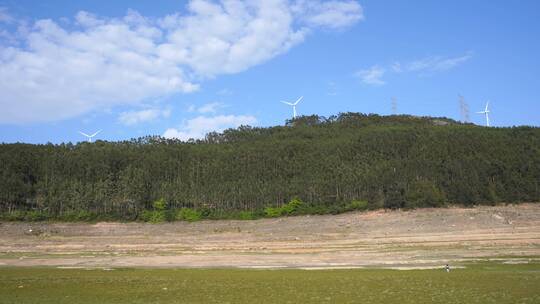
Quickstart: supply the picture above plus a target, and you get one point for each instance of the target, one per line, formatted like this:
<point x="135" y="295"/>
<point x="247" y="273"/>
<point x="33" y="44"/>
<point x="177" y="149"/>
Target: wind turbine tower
<point x="394" y="106"/>
<point x="90" y="136"/>
<point x="486" y="112"/>
<point x="293" y="105"/>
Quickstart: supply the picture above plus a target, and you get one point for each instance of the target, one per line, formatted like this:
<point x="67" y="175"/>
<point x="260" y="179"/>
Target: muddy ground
<point x="393" y="239"/>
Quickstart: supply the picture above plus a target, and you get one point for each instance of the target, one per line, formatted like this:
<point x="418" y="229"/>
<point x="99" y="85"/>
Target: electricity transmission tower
<point x="464" y="109"/>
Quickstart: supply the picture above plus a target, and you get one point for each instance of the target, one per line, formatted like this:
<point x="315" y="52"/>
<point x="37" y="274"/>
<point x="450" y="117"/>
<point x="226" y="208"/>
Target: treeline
<point x="326" y="163"/>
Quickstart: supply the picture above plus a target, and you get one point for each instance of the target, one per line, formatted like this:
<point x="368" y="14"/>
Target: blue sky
<point x="182" y="68"/>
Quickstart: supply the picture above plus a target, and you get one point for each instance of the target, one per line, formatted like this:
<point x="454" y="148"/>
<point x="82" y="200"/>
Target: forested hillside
<point x="327" y="163"/>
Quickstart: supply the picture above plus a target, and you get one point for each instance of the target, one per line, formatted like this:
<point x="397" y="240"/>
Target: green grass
<point x="482" y="283"/>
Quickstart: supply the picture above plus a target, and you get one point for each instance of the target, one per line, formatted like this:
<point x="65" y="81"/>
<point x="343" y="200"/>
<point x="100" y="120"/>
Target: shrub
<point x="35" y="216"/>
<point x="286" y="209"/>
<point x="316" y="209"/>
<point x="160" y="204"/>
<point x="394" y="199"/>
<point x="206" y="212"/>
<point x="84" y="215"/>
<point x="335" y="209"/>
<point x="77" y="216"/>
<point x="424" y="194"/>
<point x="158" y="215"/>
<point x="272" y="212"/>
<point x="153" y="216"/>
<point x="246" y="215"/>
<point x="294" y="207"/>
<point x="14" y="216"/>
<point x="145" y="215"/>
<point x="188" y="214"/>
<point x="357" y="205"/>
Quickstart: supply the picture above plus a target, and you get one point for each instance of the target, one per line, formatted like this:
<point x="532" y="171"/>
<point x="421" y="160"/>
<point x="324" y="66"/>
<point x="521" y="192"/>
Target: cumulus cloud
<point x="55" y="72"/>
<point x="372" y="76"/>
<point x="198" y="127"/>
<point x="135" y="117"/>
<point x="62" y="74"/>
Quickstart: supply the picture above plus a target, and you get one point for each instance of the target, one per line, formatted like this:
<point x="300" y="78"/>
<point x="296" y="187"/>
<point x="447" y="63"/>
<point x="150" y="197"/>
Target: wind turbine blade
<point x="95" y="133"/>
<point x="287" y="103"/>
<point x="298" y="100"/>
<point x="84" y="134"/>
<point x="487" y="105"/>
<point x="482" y="112"/>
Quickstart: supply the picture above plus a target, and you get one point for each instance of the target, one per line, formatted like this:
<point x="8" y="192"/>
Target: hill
<point x="344" y="162"/>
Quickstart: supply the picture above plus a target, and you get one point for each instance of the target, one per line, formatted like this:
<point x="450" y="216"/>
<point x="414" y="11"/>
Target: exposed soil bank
<point x="396" y="239"/>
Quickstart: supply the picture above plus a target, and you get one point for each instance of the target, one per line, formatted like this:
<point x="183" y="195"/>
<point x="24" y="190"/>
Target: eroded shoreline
<point x="385" y="239"/>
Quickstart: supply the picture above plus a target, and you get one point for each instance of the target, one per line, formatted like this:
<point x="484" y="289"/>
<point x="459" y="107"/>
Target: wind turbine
<point x="293" y="105"/>
<point x="90" y="136"/>
<point x="486" y="112"/>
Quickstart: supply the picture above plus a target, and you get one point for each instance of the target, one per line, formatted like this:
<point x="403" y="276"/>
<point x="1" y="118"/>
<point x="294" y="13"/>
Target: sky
<point x="180" y="69"/>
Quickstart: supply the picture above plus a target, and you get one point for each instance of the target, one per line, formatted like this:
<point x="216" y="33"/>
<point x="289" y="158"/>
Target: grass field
<point x="480" y="283"/>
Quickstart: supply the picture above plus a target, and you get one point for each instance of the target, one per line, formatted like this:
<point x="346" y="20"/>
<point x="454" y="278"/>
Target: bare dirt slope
<point x="420" y="238"/>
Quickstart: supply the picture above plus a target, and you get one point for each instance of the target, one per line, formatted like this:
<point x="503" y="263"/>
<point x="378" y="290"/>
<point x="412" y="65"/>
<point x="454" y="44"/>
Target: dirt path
<point x="398" y="239"/>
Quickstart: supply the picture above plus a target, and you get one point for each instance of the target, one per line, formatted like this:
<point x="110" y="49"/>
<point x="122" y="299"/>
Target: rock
<point x="497" y="217"/>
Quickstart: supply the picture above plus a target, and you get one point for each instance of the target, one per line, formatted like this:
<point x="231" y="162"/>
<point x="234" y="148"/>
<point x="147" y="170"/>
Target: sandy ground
<point x="394" y="239"/>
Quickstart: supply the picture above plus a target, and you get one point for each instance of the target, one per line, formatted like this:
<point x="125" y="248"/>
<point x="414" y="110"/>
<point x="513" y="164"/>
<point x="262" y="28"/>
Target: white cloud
<point x="55" y="72"/>
<point x="6" y="35"/>
<point x="5" y="17"/>
<point x="372" y="76"/>
<point x="332" y="89"/>
<point x="225" y="92"/>
<point x="331" y="14"/>
<point x="210" y="107"/>
<point x="396" y="67"/>
<point x="191" y="108"/>
<point x="6" y="20"/>
<point x="63" y="74"/>
<point x="437" y="63"/>
<point x="198" y="127"/>
<point x="87" y="19"/>
<point x="135" y="117"/>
